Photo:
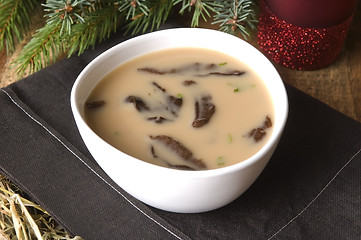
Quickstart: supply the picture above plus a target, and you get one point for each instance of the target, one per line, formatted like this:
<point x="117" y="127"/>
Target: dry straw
<point x="23" y="219"/>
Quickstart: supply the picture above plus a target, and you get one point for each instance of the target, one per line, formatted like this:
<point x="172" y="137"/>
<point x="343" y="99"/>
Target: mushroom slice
<point x="139" y="104"/>
<point x="258" y="133"/>
<point x="204" y="110"/>
<point x="95" y="104"/>
<point x="158" y="107"/>
<point x="183" y="157"/>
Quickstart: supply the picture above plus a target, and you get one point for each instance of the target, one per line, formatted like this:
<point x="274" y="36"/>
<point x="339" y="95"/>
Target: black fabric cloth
<point x="309" y="190"/>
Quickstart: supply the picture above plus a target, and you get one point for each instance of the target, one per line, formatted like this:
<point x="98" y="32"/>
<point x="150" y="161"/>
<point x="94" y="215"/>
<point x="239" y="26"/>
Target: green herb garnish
<point x="220" y="161"/>
<point x="229" y="138"/>
<point x="237" y="88"/>
<point x="222" y="64"/>
<point x="179" y="95"/>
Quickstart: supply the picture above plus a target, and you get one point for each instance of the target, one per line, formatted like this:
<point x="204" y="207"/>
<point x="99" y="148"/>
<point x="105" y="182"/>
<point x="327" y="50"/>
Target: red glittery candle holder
<point x="298" y="47"/>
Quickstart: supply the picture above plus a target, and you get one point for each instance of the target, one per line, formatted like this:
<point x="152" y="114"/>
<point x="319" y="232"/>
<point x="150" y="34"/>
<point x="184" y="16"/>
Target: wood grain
<point x="338" y="85"/>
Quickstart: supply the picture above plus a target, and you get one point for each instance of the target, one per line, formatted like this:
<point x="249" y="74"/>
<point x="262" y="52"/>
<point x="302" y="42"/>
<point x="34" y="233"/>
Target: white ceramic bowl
<point x="170" y="189"/>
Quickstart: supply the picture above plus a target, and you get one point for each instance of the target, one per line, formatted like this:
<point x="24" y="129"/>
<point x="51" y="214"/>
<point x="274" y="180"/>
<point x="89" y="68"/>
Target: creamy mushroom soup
<point x="186" y="108"/>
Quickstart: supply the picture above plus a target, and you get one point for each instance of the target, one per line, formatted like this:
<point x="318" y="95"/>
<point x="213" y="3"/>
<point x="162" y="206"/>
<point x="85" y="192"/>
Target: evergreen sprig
<point x="158" y="12"/>
<point x="201" y="8"/>
<point x="15" y="19"/>
<point x="98" y="26"/>
<point x="237" y="16"/>
<point x="43" y="49"/>
<point x="134" y="8"/>
<point x="73" y="26"/>
<point x="66" y="12"/>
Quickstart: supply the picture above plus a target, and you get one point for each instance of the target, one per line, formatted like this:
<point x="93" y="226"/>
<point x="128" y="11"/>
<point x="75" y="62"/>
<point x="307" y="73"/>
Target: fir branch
<point x="66" y="12"/>
<point x="133" y="8"/>
<point x="237" y="16"/>
<point x="99" y="20"/>
<point x="157" y="15"/>
<point x="87" y="22"/>
<point x="202" y="8"/>
<point x="15" y="19"/>
<point x="98" y="26"/>
<point x="44" y="48"/>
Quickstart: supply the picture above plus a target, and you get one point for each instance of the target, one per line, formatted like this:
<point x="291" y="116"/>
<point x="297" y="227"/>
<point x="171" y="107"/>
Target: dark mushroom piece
<point x="231" y="73"/>
<point x="95" y="104"/>
<point x="158" y="86"/>
<point x="152" y="70"/>
<point x="180" y="151"/>
<point x="158" y="119"/>
<point x="159" y="112"/>
<point x="189" y="82"/>
<point x="139" y="103"/>
<point x="258" y="133"/>
<point x="204" y="110"/>
<point x="193" y="67"/>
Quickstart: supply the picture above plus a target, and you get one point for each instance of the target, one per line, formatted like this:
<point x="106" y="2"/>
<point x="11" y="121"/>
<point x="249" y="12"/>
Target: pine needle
<point x="15" y="19"/>
<point x="99" y="25"/>
<point x="237" y="17"/>
<point x="158" y="14"/>
<point x="201" y="8"/>
<point x="73" y="26"/>
<point x="43" y="49"/>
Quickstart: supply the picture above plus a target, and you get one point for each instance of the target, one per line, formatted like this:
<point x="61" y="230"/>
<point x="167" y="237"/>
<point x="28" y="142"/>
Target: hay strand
<point x="23" y="219"/>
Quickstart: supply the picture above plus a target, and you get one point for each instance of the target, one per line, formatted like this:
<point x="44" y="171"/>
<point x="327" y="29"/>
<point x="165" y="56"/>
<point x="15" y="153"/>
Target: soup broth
<point x="186" y="108"/>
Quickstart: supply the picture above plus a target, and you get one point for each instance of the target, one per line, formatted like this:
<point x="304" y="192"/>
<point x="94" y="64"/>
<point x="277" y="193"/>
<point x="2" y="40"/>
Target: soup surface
<point x="185" y="108"/>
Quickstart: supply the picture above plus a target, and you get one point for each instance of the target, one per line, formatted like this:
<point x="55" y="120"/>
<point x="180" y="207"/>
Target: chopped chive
<point x="236" y="89"/>
<point x="222" y="64"/>
<point x="240" y="88"/>
<point x="179" y="95"/>
<point x="220" y="161"/>
<point x="229" y="138"/>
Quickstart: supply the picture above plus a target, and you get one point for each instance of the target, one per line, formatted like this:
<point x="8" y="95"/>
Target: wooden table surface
<point x="338" y="85"/>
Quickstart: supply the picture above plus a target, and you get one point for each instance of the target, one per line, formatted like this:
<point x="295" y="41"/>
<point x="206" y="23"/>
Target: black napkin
<point x="309" y="190"/>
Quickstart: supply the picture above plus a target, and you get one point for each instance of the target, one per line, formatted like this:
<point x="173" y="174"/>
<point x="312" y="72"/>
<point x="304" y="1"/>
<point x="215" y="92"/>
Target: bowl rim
<point x="199" y="173"/>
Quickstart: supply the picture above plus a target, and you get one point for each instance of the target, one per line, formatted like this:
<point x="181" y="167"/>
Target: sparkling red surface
<point x="298" y="47"/>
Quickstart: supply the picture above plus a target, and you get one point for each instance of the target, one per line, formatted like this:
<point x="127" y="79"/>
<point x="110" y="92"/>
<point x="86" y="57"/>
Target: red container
<point x="304" y="34"/>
